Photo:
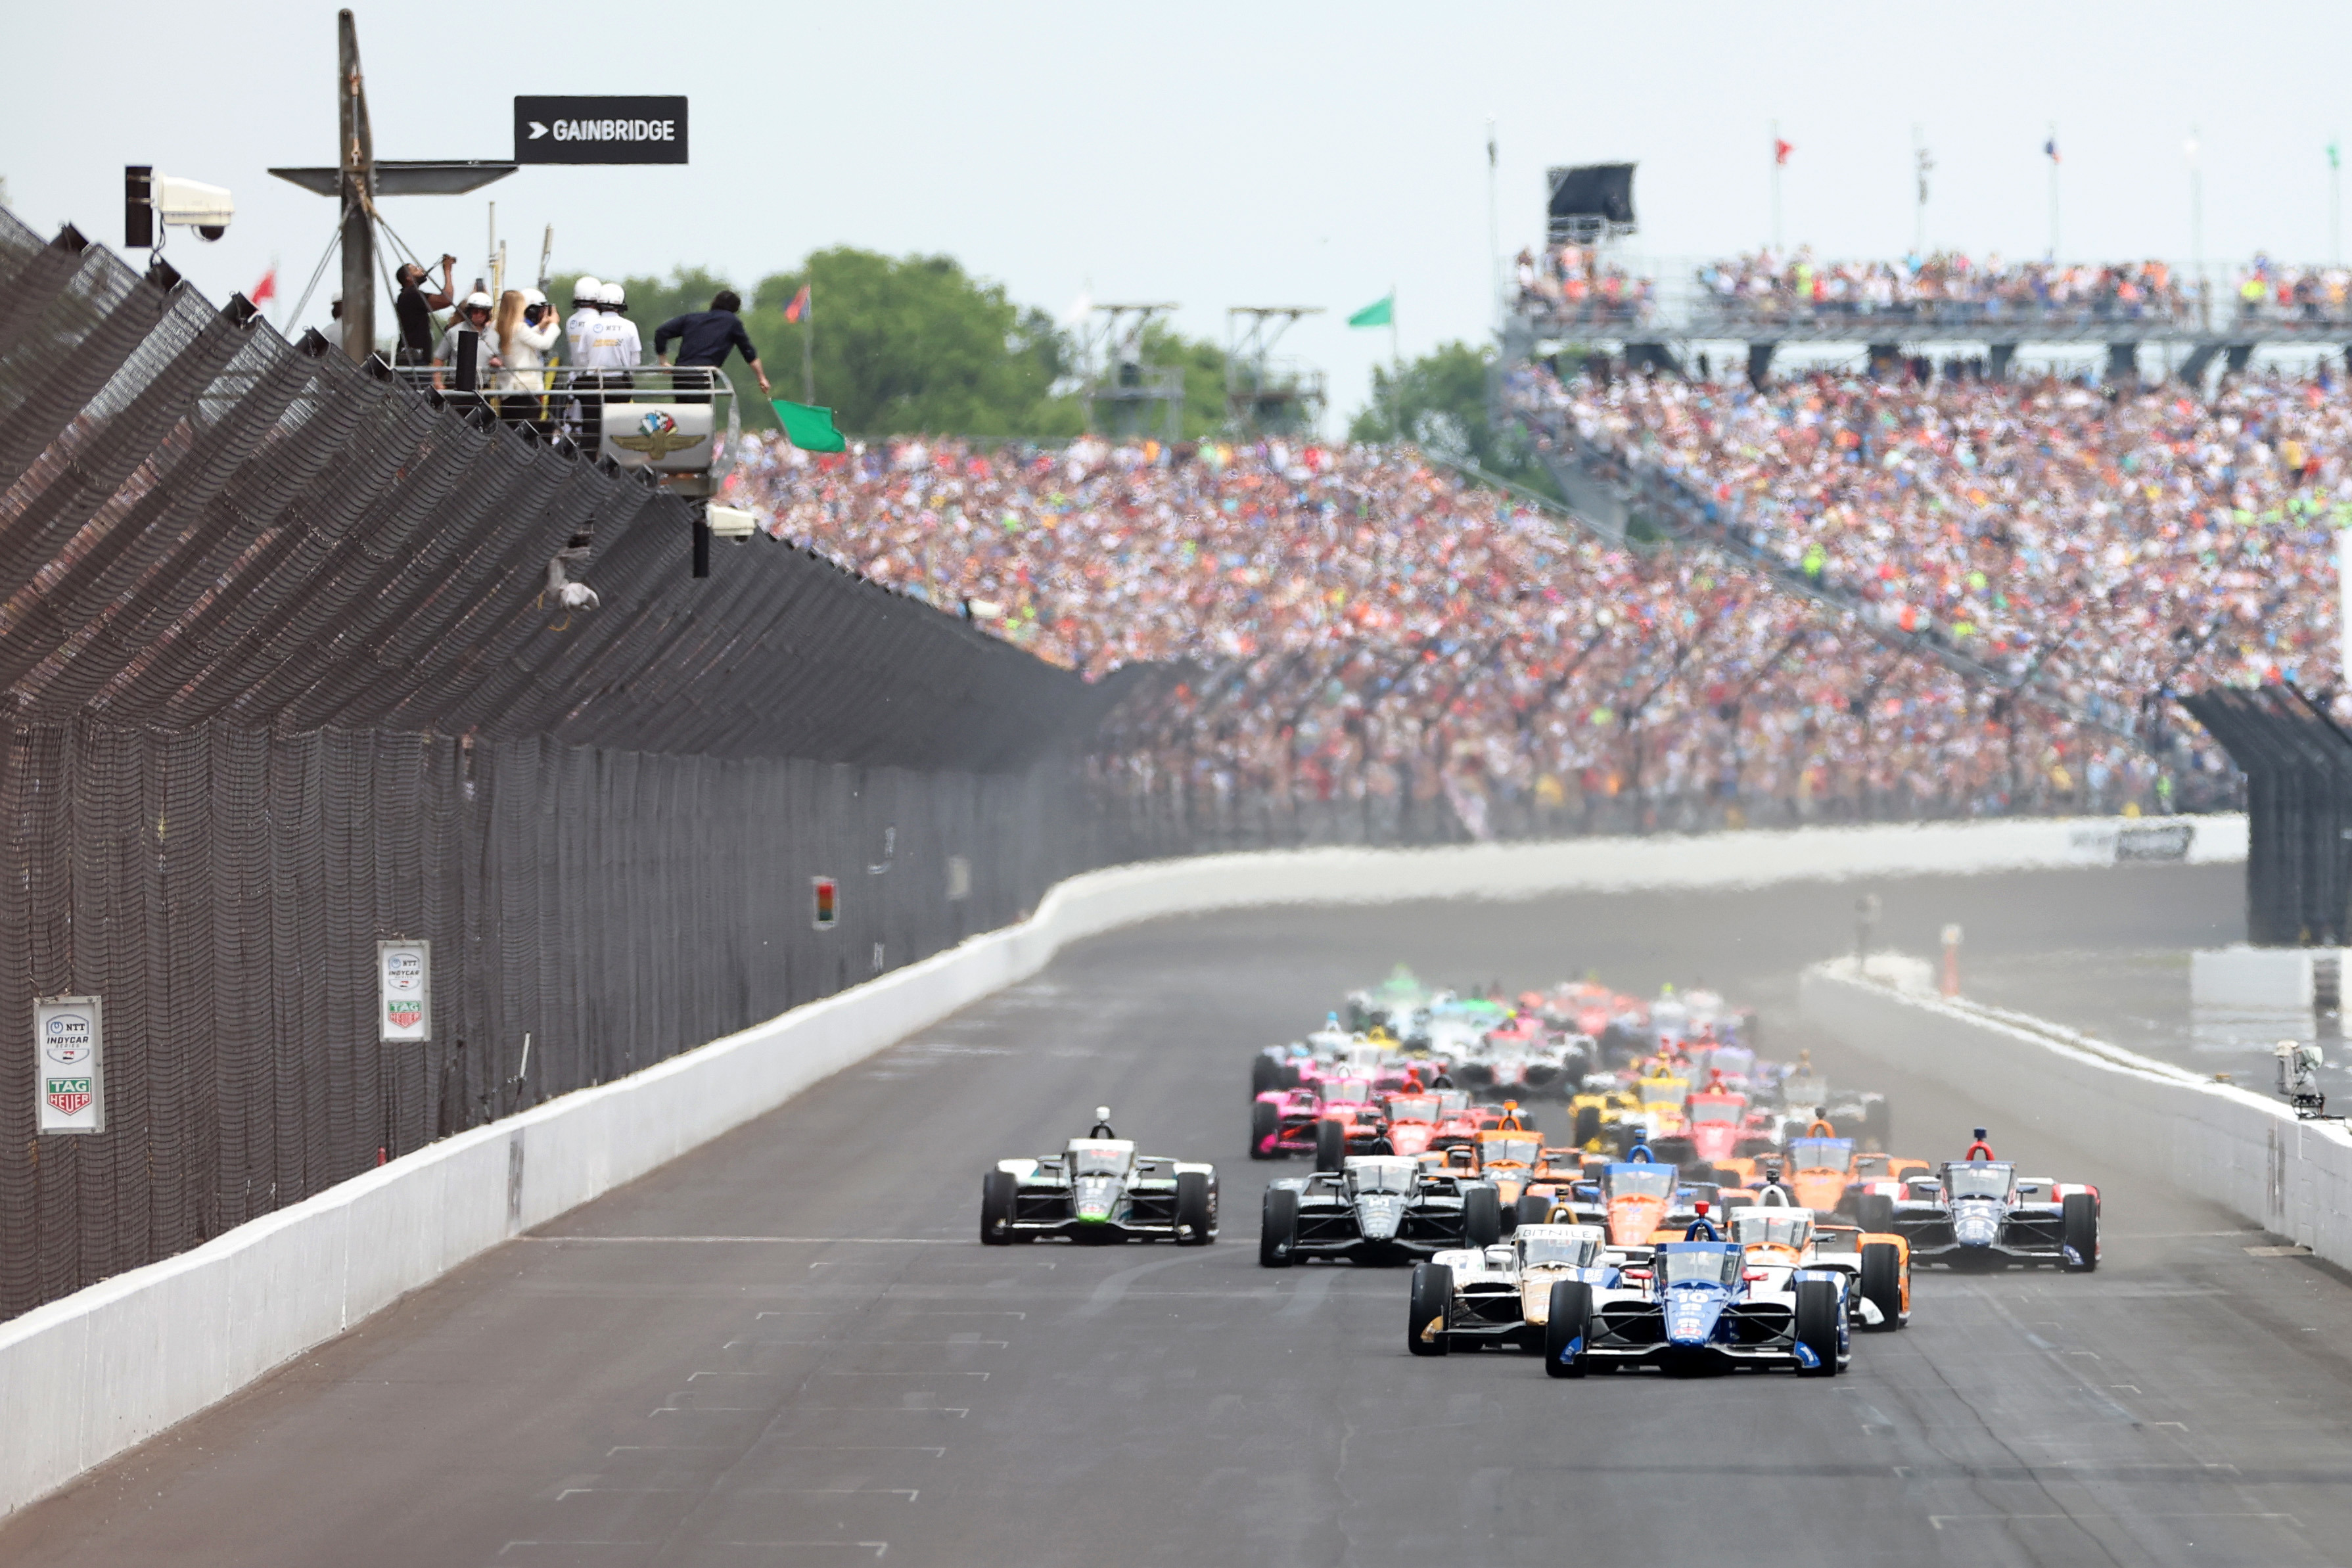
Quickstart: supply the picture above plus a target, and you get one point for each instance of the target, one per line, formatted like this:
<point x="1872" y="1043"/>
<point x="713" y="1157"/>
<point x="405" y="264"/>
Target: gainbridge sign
<point x="599" y="130"/>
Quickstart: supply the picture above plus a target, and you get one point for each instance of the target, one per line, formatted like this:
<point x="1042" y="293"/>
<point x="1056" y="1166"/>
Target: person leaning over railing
<point x="704" y="339"/>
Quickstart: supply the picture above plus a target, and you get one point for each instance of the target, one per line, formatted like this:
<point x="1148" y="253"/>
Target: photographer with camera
<point x="413" y="307"/>
<point x="527" y="329"/>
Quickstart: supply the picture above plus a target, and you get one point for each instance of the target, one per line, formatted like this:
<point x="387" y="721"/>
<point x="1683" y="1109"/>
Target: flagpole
<point x="1396" y="371"/>
<point x="1776" y="188"/>
<point x="1493" y="222"/>
<point x="2052" y="147"/>
<point x="2335" y="204"/>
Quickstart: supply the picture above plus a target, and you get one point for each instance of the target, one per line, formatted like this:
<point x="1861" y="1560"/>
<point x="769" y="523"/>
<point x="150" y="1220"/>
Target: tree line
<point x="917" y="344"/>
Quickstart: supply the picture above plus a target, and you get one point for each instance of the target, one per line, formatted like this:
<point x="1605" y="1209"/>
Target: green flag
<point x="1376" y="314"/>
<point x="808" y="427"/>
<point x="2335" y="156"/>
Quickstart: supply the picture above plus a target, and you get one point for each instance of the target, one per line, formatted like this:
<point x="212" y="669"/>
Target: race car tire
<point x="1193" y="1213"/>
<point x="1588" y="1125"/>
<point x="1330" y="1144"/>
<point x="1675" y="1151"/>
<point x="1530" y="1210"/>
<point x="1290" y="1079"/>
<point x="1481" y="1217"/>
<point x="1874" y="1212"/>
<point x="1432" y="1303"/>
<point x="2078" y="1230"/>
<point x="1882" y="1281"/>
<point x="1475" y="1075"/>
<point x="1277" y="1232"/>
<point x="1265" y="1073"/>
<point x="1817" y="1326"/>
<point x="1567" y="1329"/>
<point x="1266" y="1123"/>
<point x="996" y="1189"/>
<point x="1878" y="1124"/>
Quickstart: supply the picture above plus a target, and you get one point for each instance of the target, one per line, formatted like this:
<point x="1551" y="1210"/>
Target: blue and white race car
<point x="1697" y="1306"/>
<point x="1470" y="1298"/>
<point x="1979" y="1213"/>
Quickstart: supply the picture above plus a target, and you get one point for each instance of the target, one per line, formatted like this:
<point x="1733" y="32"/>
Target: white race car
<point x="1501" y="1295"/>
<point x="1100" y="1189"/>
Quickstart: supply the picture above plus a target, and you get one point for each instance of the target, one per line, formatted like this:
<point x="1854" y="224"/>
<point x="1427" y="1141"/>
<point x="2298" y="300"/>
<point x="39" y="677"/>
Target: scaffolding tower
<point x="1124" y="396"/>
<point x="1265" y="395"/>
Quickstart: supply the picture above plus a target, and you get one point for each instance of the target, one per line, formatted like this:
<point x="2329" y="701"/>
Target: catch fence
<point x="284" y="680"/>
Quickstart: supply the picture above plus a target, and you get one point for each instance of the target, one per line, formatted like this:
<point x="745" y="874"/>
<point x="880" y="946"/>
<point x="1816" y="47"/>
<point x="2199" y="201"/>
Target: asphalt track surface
<point x="788" y="1348"/>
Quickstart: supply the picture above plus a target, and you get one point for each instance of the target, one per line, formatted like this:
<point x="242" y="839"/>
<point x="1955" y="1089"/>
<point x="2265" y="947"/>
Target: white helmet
<point x="533" y="297"/>
<point x="613" y="296"/>
<point x="585" y="291"/>
<point x="476" y="301"/>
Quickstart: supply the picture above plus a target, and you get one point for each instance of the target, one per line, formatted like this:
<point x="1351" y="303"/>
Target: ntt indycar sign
<point x="599" y="130"/>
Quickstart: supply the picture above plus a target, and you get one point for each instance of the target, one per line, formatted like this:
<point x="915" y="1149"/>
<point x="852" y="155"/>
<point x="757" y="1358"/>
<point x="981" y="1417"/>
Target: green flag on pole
<point x="809" y="427"/>
<point x="1376" y="314"/>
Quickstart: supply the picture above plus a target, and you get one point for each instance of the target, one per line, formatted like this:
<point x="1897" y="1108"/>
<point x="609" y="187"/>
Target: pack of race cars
<point x="1708" y="1208"/>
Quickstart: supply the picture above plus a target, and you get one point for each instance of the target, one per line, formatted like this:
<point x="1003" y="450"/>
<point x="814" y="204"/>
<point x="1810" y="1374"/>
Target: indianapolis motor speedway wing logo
<point x="658" y="436"/>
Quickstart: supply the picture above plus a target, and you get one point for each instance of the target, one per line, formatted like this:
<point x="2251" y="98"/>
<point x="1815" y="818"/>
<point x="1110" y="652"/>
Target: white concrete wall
<point x="90" y="1375"/>
<point x="2238" y="1146"/>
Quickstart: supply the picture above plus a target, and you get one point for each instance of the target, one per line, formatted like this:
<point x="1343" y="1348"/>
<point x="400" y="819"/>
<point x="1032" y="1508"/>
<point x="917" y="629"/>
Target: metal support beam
<point x="1759" y="364"/>
<point x="1996" y="358"/>
<point x="355" y="157"/>
<point x="2122" y="363"/>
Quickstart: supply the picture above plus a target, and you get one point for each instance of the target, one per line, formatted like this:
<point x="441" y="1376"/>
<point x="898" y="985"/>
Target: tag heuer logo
<point x="69" y="1096"/>
<point x="402" y="1015"/>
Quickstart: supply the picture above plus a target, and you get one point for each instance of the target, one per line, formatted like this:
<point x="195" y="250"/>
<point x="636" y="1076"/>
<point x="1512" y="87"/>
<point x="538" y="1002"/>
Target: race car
<point x="1412" y="1119"/>
<point x="1806" y="1095"/>
<point x="1634" y="1201"/>
<point x="1782" y="1236"/>
<point x="1696" y="1305"/>
<point x="1100" y="1189"/>
<point x="1282" y="1123"/>
<point x="1474" y="1296"/>
<point x="1607" y="1115"/>
<point x="1979" y="1213"/>
<point x="1377" y="1208"/>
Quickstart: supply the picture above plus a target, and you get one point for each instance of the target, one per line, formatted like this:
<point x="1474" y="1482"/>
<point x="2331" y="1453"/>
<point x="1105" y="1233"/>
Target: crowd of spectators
<point x="2268" y="291"/>
<point x="1946" y="288"/>
<point x="2109" y="542"/>
<point x="1574" y="283"/>
<point x="1372" y="647"/>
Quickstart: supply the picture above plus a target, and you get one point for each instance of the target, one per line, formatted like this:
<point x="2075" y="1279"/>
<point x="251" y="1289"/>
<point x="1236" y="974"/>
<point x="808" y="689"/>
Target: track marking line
<point x="670" y="1449"/>
<point x="982" y="1375"/>
<point x="512" y="1545"/>
<point x="761" y="1240"/>
<point x="957" y="1410"/>
<point x="1938" y="1521"/>
<point x="909" y="1493"/>
<point x="857" y="1449"/>
<point x="2278" y="1252"/>
<point x="995" y="1345"/>
<point x="876" y="1547"/>
<point x="632" y="1491"/>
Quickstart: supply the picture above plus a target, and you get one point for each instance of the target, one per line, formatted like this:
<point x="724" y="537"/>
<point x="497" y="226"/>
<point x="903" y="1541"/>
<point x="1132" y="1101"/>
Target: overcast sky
<point x="1216" y="154"/>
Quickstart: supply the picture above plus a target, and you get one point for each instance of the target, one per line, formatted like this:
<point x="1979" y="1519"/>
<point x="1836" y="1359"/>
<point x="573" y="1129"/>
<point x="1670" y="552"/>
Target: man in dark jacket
<point x="704" y="338"/>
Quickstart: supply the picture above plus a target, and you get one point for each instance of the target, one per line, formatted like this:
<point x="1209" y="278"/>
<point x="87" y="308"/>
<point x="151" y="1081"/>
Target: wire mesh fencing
<point x="284" y="681"/>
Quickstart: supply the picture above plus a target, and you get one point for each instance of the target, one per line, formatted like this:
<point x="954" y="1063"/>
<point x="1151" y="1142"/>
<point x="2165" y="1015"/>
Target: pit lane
<point x="787" y="1348"/>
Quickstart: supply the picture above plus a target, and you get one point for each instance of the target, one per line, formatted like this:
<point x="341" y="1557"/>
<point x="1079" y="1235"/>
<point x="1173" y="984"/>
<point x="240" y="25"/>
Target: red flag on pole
<point x="267" y="289"/>
<point x="1781" y="150"/>
<point x="800" y="305"/>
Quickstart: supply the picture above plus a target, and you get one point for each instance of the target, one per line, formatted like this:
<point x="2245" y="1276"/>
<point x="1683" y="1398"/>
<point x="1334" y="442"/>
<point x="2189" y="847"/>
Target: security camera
<point x="149" y="198"/>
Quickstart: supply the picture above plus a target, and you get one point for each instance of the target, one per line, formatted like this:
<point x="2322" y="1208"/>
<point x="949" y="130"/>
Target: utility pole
<point x="356" y="157"/>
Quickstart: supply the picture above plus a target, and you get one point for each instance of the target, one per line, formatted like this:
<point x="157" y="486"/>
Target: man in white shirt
<point x="605" y="351"/>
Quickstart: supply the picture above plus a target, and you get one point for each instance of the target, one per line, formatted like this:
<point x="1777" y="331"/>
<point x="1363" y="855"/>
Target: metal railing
<point x="681" y="423"/>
